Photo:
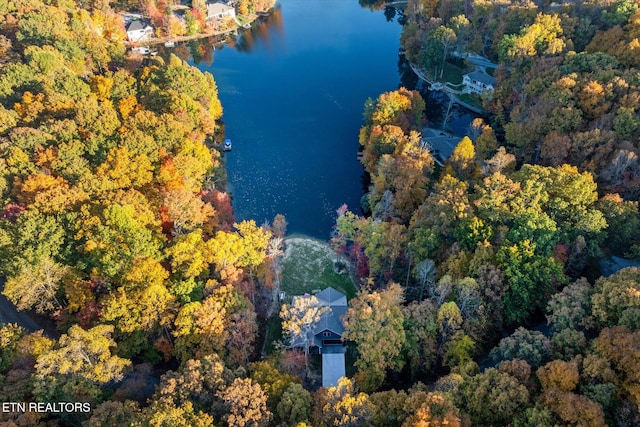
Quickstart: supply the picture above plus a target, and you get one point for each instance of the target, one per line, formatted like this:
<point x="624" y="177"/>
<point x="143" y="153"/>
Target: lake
<point x="293" y="90"/>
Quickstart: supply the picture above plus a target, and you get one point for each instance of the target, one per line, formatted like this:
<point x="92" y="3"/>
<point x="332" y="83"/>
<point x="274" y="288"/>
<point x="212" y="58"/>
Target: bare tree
<point x="300" y="319"/>
<point x="426" y="272"/>
<point x="500" y="161"/>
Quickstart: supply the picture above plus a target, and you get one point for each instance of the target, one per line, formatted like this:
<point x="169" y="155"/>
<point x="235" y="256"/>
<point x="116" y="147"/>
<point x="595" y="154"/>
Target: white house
<point x="139" y="30"/>
<point x="219" y="11"/>
<point x="478" y="82"/>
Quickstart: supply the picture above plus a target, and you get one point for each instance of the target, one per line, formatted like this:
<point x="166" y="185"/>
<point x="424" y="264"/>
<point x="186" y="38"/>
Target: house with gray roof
<point x="440" y="143"/>
<point x="139" y="30"/>
<point x="327" y="335"/>
<point x="478" y="82"/>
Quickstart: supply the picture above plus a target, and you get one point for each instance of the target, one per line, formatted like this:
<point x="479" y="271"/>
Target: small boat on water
<point x="227" y="145"/>
<point x="169" y="43"/>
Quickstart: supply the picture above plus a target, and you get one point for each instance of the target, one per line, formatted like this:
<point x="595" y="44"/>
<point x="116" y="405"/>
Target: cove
<point x="293" y="90"/>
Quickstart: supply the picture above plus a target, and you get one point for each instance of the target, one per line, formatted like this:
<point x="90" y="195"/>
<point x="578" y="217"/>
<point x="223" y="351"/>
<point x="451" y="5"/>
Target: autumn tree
<point x="374" y="321"/>
<point x="114" y="413"/>
<point x="78" y="364"/>
<point x="247" y="404"/>
<point x="461" y="163"/>
<point x="421" y="335"/>
<point x="341" y="405"/>
<point x="37" y="286"/>
<point x="10" y="335"/>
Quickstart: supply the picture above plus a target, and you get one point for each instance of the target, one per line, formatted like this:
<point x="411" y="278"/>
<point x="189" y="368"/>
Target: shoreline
<point x="155" y="41"/>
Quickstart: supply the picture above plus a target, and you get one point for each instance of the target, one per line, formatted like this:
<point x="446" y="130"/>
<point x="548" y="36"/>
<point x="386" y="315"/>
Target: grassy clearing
<point x="309" y="265"/>
<point x="452" y="74"/>
<point x="471" y="99"/>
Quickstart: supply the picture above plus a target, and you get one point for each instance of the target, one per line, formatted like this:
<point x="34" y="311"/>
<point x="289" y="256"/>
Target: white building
<point x="139" y="30"/>
<point x="219" y="11"/>
<point x="478" y="82"/>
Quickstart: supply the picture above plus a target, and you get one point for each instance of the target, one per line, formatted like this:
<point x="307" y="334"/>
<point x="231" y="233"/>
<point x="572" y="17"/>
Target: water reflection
<point x="373" y="4"/>
<point x="436" y="102"/>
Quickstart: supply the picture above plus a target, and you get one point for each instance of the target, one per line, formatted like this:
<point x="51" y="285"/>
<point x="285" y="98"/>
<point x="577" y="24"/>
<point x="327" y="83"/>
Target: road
<point x="27" y="319"/>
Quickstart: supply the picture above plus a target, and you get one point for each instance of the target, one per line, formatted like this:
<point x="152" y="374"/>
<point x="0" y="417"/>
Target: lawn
<point x="309" y="266"/>
<point x="469" y="99"/>
<point x="452" y="74"/>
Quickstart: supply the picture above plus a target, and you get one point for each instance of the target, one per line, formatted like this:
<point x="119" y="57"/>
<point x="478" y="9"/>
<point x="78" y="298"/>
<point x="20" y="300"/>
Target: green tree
<point x="374" y="321"/>
<point x="571" y="308"/>
<point x="273" y="382"/>
<point x="295" y="405"/>
<point x="493" y="397"/>
<point x="532" y="279"/>
<point x="421" y="335"/>
<point x="531" y="346"/>
<point x="616" y="299"/>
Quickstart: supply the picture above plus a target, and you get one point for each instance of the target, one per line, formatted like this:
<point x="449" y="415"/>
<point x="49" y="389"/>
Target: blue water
<point x="293" y="91"/>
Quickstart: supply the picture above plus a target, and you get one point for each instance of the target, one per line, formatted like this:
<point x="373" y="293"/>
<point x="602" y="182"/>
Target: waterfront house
<point x="219" y="11"/>
<point x="478" y="82"/>
<point x="440" y="143"/>
<point x="139" y="30"/>
<point x="328" y="332"/>
<point x="327" y="335"/>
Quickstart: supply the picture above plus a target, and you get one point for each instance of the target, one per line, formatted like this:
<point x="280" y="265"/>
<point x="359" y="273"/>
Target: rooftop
<point x="138" y="24"/>
<point x="331" y="297"/>
<point x="442" y="142"/>
<point x="482" y="78"/>
<point x="216" y="8"/>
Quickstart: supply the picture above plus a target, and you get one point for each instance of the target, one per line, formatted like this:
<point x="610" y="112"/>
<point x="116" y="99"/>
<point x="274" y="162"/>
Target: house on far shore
<point x="139" y="30"/>
<point x="478" y="82"/>
<point x="219" y="11"/>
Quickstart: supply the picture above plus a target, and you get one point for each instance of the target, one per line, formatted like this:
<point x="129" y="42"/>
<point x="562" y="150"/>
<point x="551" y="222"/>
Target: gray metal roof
<point x="331" y="320"/>
<point x="331" y="297"/>
<point x="482" y="78"/>
<point x="443" y="142"/>
<point x="138" y="24"/>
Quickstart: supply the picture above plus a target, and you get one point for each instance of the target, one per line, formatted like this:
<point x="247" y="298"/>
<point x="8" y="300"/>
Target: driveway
<point x="332" y="368"/>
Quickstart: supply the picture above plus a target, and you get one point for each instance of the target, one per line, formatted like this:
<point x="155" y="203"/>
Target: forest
<point x="481" y="302"/>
